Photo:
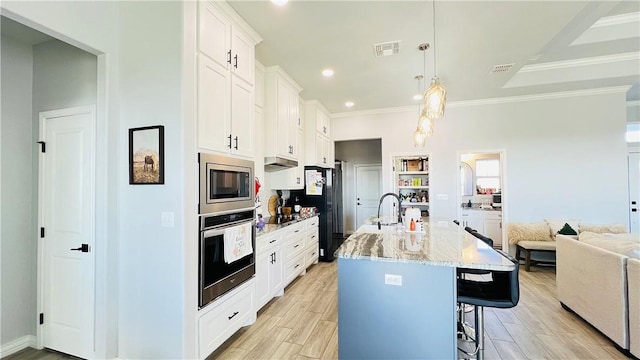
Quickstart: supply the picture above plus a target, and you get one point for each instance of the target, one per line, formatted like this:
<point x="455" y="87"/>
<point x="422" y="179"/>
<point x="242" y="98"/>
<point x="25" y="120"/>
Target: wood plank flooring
<point x="302" y="324"/>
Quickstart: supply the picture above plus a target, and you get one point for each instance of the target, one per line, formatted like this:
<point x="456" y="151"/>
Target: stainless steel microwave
<point x="226" y="184"/>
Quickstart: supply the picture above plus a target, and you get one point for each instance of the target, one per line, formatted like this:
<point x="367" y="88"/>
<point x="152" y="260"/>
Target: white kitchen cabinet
<point x="281" y="114"/>
<point x="289" y="179"/>
<point x="269" y="268"/>
<point x="318" y="144"/>
<point x="221" y="319"/>
<point x="226" y="76"/>
<point x="229" y="43"/>
<point x="487" y="223"/>
<point x="312" y="237"/>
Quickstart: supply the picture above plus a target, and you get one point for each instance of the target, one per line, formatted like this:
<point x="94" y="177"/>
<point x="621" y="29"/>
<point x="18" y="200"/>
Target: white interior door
<point x="368" y="185"/>
<point x="634" y="192"/>
<point x="66" y="205"/>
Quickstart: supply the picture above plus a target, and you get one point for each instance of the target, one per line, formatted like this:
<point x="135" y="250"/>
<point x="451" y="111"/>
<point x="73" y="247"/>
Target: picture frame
<point x="146" y="155"/>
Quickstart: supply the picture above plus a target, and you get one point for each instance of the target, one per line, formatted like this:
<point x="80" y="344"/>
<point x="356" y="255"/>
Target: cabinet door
<point x="322" y="150"/>
<point x="214" y="34"/>
<point x="294" y="123"/>
<point x="276" y="271"/>
<point x="243" y="56"/>
<point x="242" y="117"/>
<point x="213" y="106"/>
<point x="263" y="291"/>
<point x="493" y="229"/>
<point x="285" y="147"/>
<point x="322" y="123"/>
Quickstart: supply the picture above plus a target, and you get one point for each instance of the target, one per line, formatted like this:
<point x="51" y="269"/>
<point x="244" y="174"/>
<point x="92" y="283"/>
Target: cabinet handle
<point x="235" y="65"/>
<point x="296" y="246"/>
<point x="324" y="159"/>
<point x="234" y="314"/>
<point x="298" y="180"/>
<point x="297" y="265"/>
<point x="272" y="241"/>
<point x="236" y="147"/>
<point x="324" y="129"/>
<point x="229" y="141"/>
<point x="275" y="257"/>
<point x="229" y="57"/>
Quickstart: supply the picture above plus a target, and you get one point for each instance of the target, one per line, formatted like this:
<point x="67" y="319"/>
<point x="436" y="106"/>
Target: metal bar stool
<point x="461" y="272"/>
<point x="502" y="292"/>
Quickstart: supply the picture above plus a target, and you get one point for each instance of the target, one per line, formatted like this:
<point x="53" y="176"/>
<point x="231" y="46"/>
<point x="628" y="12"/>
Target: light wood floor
<point x="302" y="324"/>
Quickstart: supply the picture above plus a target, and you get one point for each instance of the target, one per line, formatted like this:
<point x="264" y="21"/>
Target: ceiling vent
<point x="386" y="49"/>
<point x="498" y="69"/>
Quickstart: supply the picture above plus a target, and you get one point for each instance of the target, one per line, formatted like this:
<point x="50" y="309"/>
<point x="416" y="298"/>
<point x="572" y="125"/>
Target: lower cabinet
<point x="281" y="256"/>
<point x="487" y="223"/>
<point x="218" y="321"/>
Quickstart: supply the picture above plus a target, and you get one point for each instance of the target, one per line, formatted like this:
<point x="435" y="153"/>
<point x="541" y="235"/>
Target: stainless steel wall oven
<point x="216" y="275"/>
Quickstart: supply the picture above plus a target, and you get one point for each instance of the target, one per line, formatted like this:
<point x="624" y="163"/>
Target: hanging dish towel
<point x="237" y="243"/>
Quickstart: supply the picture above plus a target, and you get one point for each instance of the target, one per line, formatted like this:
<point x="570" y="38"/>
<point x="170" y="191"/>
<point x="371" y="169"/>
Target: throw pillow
<point x="603" y="228"/>
<point x="567" y="230"/>
<point x="556" y="225"/>
<point x="528" y="232"/>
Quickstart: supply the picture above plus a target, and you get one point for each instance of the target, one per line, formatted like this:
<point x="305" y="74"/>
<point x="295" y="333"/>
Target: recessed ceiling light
<point x="280" y="2"/>
<point x="327" y="72"/>
<point x="349" y="104"/>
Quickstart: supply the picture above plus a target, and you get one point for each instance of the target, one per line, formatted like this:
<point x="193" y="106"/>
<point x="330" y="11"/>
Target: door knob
<point x="359" y="204"/>
<point x="83" y="248"/>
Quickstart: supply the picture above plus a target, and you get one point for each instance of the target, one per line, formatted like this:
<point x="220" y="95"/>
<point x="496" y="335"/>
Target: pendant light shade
<point x="419" y="138"/>
<point x="435" y="98"/>
<point x="425" y="124"/>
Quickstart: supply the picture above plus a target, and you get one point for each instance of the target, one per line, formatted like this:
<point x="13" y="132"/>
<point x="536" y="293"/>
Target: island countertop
<point x="441" y="244"/>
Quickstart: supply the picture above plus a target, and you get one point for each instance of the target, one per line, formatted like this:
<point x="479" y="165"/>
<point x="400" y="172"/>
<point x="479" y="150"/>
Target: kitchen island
<point x="397" y="290"/>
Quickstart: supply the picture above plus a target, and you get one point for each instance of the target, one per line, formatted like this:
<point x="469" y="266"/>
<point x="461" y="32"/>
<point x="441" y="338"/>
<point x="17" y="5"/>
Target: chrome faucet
<point x="380" y="203"/>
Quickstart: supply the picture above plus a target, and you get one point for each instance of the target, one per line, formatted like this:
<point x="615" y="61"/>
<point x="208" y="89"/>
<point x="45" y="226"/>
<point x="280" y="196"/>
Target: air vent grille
<point x="498" y="69"/>
<point x="386" y="49"/>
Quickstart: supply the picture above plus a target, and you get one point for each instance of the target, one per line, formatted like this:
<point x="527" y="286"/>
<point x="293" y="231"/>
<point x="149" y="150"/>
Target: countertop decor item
<point x="273" y="203"/>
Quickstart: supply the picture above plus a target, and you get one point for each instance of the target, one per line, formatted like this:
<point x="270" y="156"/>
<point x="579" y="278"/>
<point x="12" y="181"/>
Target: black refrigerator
<point x="319" y="192"/>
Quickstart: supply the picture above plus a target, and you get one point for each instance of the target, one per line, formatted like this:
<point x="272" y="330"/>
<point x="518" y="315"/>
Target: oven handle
<point x="220" y="231"/>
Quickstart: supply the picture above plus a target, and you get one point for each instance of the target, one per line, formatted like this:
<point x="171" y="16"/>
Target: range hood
<point x="277" y="163"/>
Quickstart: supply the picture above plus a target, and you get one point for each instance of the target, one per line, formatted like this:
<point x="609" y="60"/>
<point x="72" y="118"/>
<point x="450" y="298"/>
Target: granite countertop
<point x="478" y="208"/>
<point x="441" y="244"/>
<point x="273" y="227"/>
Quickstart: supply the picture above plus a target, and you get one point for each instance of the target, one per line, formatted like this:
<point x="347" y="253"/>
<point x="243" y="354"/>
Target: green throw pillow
<point x="567" y="230"/>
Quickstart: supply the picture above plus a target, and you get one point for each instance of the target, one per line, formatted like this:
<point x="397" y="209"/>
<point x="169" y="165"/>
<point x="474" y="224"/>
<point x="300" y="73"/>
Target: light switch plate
<point x="167" y="219"/>
<point x="391" y="279"/>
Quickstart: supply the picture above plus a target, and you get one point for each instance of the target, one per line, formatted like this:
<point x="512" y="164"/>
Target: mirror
<point x="466" y="179"/>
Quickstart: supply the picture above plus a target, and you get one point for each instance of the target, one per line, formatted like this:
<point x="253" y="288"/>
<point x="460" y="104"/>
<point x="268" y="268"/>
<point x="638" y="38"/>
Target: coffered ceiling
<point x="554" y="46"/>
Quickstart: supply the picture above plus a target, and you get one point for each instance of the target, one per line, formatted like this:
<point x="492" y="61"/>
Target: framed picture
<point x="146" y="155"/>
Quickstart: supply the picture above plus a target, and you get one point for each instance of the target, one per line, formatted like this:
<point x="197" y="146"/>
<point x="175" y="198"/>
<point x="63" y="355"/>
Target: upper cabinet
<point x="226" y="77"/>
<point x="318" y="143"/>
<point x="282" y="117"/>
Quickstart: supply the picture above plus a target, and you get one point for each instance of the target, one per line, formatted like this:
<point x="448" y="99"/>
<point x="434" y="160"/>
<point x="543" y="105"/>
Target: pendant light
<point x="419" y="136"/>
<point x="436" y="95"/>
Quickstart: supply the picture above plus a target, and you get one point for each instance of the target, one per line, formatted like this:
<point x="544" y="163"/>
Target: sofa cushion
<point x="623" y="244"/>
<point x="517" y="232"/>
<point x="603" y="228"/>
<point x="556" y="225"/>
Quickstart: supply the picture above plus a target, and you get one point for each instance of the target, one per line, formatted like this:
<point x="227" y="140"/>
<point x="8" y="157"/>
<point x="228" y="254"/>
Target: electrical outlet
<point x="390" y="279"/>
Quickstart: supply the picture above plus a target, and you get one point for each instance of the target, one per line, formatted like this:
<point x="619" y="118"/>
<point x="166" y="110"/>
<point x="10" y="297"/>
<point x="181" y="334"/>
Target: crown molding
<point x="596" y="60"/>
<point x="494" y="101"/>
<point x="617" y="20"/>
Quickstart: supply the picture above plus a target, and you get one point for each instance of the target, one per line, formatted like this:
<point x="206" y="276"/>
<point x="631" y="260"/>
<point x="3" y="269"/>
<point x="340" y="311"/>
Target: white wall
<point x="152" y="291"/>
<point x="361" y="152"/>
<point x="565" y="156"/>
<point x="17" y="236"/>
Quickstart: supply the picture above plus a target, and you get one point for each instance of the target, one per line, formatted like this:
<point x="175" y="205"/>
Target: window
<point x="487" y="176"/>
<point x="633" y="132"/>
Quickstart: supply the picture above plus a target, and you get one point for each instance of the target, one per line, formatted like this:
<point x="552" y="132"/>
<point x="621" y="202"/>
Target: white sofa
<point x="598" y="278"/>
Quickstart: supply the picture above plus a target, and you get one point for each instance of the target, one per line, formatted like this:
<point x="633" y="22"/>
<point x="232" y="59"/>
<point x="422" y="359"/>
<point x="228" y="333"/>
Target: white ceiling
<point x="554" y="46"/>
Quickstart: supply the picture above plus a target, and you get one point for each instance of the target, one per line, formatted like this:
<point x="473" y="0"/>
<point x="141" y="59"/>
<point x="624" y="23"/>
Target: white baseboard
<point x="16" y="345"/>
